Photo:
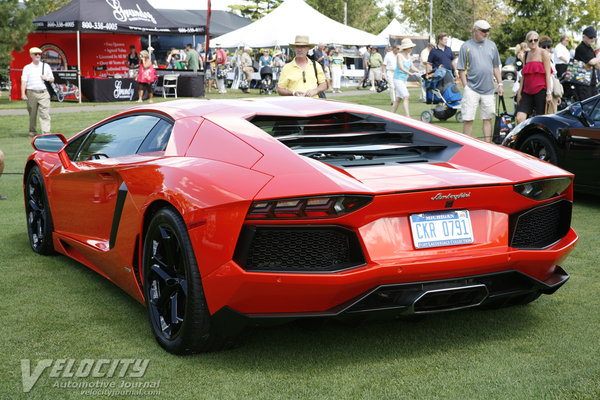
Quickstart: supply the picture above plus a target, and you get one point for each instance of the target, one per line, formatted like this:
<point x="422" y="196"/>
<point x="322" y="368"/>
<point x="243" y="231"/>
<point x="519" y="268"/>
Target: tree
<point x="543" y="16"/>
<point x="16" y="23"/>
<point x="362" y="14"/>
<point x="455" y="17"/>
<point x="255" y="11"/>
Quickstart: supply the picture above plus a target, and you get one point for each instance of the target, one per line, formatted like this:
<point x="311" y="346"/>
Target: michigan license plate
<point x="441" y="228"/>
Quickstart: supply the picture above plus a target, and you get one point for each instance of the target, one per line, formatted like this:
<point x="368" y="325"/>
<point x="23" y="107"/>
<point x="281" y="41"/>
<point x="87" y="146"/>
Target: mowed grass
<point x="55" y="308"/>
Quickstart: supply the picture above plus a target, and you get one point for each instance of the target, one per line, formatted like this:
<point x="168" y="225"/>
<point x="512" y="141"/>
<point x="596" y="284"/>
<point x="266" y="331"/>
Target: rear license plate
<point x="441" y="228"/>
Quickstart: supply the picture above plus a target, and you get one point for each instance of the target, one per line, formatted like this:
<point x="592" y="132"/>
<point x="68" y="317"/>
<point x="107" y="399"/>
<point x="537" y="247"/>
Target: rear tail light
<point x="543" y="189"/>
<point x="307" y="207"/>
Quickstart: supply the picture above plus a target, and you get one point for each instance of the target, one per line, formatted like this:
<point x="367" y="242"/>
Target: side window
<point x="74" y="145"/>
<point x="119" y="137"/>
<point x="157" y="139"/>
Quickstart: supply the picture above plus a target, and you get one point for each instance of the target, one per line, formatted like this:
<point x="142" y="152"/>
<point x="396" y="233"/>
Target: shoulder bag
<point x="578" y="73"/>
<point x="49" y="85"/>
<point x="321" y="94"/>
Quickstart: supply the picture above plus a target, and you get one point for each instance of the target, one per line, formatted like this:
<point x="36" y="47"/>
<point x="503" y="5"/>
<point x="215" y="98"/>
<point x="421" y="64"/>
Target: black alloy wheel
<point x="175" y="301"/>
<point x="37" y="210"/>
<point x="540" y="146"/>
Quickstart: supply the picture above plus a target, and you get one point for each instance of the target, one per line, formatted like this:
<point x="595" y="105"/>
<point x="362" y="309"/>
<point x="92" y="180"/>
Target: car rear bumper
<point x="276" y="293"/>
<point x="495" y="289"/>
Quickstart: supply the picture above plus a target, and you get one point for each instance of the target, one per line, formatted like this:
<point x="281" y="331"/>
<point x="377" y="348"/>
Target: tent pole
<point x="149" y="40"/>
<point x="79" y="66"/>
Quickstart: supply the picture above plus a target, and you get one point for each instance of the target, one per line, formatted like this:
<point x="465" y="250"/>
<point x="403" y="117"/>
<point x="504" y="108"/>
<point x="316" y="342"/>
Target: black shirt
<point x="133" y="61"/>
<point x="585" y="53"/>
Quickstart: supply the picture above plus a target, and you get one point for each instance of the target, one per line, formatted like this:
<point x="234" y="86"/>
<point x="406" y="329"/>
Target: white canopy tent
<point x="396" y="28"/>
<point x="291" y="18"/>
<point x="404" y="29"/>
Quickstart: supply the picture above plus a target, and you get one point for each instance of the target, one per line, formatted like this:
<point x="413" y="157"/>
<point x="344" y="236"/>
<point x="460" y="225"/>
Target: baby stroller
<point x="382" y="85"/>
<point x="441" y="90"/>
<point x="266" y="80"/>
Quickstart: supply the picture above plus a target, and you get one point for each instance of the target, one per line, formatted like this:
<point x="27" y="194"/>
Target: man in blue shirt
<point x="441" y="55"/>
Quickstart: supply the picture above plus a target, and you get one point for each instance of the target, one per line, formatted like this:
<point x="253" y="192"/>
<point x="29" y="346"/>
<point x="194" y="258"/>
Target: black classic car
<point x="569" y="139"/>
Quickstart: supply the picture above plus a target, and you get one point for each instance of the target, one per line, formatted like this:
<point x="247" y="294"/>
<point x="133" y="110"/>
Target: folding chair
<point x="170" y="82"/>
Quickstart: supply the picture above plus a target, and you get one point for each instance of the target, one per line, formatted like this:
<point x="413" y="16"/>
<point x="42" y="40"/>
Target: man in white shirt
<point x="37" y="97"/>
<point x="389" y="66"/>
<point x="561" y="56"/>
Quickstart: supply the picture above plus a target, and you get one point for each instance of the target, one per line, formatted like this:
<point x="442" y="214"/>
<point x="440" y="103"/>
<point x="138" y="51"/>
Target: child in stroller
<point x="441" y="90"/>
<point x="266" y="80"/>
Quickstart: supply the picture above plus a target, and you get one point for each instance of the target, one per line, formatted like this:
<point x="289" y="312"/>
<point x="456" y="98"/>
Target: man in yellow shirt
<point x="299" y="77"/>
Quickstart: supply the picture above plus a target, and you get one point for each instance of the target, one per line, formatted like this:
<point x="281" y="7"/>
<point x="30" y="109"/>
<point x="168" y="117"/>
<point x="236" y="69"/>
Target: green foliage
<point x="255" y="11"/>
<point x="543" y="16"/>
<point x="454" y="17"/>
<point x="16" y="22"/>
<point x="365" y="15"/>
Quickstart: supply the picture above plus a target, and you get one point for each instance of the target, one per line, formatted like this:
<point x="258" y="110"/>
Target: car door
<point x="583" y="144"/>
<point x="85" y="195"/>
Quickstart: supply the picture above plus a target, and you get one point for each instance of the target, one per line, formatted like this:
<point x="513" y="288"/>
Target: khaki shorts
<point x="471" y="100"/>
<point x="375" y="74"/>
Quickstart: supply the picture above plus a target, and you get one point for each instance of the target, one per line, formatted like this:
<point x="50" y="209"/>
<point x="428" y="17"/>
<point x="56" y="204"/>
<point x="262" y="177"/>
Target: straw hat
<point x="407" y="44"/>
<point x="302" y="40"/>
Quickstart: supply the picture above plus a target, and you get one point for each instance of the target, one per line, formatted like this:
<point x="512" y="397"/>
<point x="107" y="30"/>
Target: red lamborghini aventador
<point x="221" y="214"/>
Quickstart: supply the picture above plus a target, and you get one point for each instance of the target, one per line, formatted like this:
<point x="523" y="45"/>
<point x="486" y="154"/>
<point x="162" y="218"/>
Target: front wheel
<point x="426" y="116"/>
<point x="175" y="301"/>
<point x="540" y="146"/>
<point x="37" y="210"/>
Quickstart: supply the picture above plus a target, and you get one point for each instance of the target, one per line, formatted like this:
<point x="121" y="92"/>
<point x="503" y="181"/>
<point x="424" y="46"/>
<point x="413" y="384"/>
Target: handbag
<point x="49" y="85"/>
<point x="504" y="122"/>
<point x="557" y="88"/>
<point x="579" y="73"/>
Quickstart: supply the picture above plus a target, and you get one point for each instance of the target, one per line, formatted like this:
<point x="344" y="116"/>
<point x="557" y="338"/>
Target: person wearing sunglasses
<point x="38" y="99"/>
<point x="585" y="53"/>
<point x="535" y="88"/>
<point x="478" y="64"/>
<point x="301" y="77"/>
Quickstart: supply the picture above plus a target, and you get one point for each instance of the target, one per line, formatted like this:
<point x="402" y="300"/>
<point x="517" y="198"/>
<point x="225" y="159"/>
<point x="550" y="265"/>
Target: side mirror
<point x="53" y="143"/>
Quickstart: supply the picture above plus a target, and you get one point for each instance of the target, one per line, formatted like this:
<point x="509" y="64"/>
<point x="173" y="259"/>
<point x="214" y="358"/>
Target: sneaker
<point x="372" y="88"/>
<point x="2" y="197"/>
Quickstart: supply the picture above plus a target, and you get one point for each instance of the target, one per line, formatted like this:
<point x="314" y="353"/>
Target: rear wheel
<point x="540" y="146"/>
<point x="175" y="301"/>
<point x="459" y="117"/>
<point x="37" y="209"/>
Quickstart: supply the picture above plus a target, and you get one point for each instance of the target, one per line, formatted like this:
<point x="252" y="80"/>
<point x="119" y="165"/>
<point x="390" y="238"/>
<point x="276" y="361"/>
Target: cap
<point x="590" y="32"/>
<point x="247" y="48"/>
<point x="35" y="50"/>
<point x="481" y="24"/>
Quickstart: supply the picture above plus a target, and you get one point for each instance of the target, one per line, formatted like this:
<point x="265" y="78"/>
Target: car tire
<point x="427" y="116"/>
<point x="37" y="210"/>
<point x="510" y="76"/>
<point x="177" y="309"/>
<point x="540" y="146"/>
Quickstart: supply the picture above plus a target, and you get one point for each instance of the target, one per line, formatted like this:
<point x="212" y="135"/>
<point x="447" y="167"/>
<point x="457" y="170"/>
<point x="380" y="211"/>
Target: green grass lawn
<point x="55" y="308"/>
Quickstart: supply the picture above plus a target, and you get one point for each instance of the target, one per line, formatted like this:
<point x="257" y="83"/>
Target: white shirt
<point x="561" y="51"/>
<point x="33" y="75"/>
<point x="390" y="61"/>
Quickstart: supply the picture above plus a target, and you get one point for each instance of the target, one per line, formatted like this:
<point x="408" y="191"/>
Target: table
<point x="109" y="89"/>
<point x="189" y="84"/>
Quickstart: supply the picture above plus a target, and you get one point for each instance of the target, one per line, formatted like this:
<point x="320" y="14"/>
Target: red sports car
<point x="222" y="214"/>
